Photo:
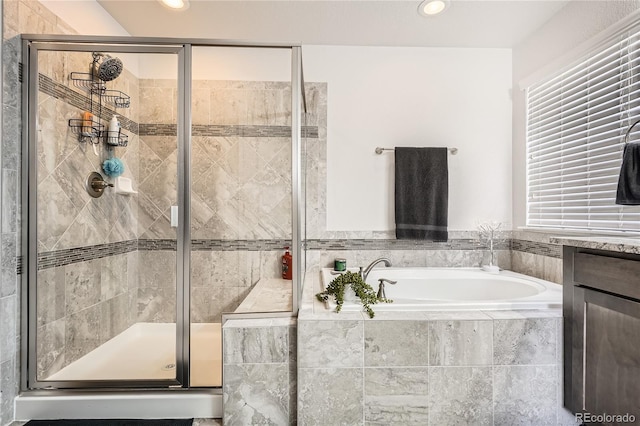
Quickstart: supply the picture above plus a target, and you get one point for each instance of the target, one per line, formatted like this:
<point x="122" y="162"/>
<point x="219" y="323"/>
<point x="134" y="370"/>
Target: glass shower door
<point x="143" y="230"/>
<point x="104" y="277"/>
<point x="241" y="186"/>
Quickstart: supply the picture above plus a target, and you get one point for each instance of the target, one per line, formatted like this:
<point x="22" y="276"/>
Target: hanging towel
<point x="422" y="193"/>
<point x="629" y="181"/>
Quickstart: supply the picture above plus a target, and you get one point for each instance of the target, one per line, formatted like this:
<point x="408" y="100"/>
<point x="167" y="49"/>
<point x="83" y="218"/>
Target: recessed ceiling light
<point x="176" y="4"/>
<point x="432" y="7"/>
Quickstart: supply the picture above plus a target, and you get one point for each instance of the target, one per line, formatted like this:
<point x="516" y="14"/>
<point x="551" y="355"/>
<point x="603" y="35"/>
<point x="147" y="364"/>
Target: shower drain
<point x="169" y="367"/>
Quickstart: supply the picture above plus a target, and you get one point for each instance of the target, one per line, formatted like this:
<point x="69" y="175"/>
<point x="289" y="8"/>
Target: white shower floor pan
<point x="148" y="351"/>
<point x="143" y="351"/>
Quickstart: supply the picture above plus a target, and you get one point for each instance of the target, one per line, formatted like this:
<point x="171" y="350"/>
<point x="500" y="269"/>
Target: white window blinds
<point x="575" y="125"/>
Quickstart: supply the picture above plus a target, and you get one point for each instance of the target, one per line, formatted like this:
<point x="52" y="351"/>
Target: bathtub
<point x="454" y="289"/>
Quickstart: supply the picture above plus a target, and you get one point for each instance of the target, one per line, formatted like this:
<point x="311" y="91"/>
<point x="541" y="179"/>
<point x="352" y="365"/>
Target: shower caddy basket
<point x="99" y="95"/>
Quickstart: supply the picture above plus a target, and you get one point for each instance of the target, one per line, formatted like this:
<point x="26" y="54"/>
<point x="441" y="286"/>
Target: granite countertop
<point x="618" y="244"/>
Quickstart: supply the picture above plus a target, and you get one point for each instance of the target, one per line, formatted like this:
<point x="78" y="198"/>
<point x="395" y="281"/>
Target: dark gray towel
<point x="422" y="193"/>
<point x="629" y="181"/>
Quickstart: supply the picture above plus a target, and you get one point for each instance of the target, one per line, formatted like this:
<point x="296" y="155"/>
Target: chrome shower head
<point x="106" y="67"/>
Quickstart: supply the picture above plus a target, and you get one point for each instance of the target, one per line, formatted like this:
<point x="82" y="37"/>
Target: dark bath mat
<point x="114" y="422"/>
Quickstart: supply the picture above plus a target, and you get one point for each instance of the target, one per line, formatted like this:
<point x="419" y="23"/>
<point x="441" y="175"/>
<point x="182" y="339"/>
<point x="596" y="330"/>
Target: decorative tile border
<point x="83" y="102"/>
<point x="158" y="129"/>
<point x="542" y="249"/>
<point x="159" y="244"/>
<point x="55" y="258"/>
<point x="388" y="244"/>
<point x="78" y="100"/>
<point x="216" y="245"/>
<point x="253" y="131"/>
<point x="239" y="245"/>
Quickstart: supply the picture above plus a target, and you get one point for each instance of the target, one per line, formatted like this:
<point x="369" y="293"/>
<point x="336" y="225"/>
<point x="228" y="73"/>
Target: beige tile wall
<point x="81" y="305"/>
<point x="67" y="215"/>
<point x="19" y="17"/>
<point x="241" y="185"/>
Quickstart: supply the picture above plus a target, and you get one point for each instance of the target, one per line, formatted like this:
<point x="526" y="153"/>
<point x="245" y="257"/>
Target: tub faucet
<point x="381" y="293"/>
<point x="365" y="272"/>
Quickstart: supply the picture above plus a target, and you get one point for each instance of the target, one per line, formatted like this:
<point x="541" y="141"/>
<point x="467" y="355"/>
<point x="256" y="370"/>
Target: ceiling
<point x="471" y="23"/>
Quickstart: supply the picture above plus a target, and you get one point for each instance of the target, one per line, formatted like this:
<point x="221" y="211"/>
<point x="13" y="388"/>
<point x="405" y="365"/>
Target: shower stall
<point x="129" y="268"/>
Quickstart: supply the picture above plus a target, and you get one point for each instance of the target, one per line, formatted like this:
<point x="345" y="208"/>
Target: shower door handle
<point x="174" y="216"/>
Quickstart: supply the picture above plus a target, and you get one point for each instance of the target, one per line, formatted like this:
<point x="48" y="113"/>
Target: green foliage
<point x="363" y="290"/>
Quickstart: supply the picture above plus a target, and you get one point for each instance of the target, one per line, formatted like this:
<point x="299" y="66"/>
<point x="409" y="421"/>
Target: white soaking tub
<point x="454" y="289"/>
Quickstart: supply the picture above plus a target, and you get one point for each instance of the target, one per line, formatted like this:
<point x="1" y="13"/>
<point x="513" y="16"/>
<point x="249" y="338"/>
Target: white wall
<point x="565" y="37"/>
<point x="392" y="96"/>
<point x="87" y="17"/>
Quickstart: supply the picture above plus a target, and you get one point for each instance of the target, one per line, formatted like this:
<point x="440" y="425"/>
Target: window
<point x="576" y="121"/>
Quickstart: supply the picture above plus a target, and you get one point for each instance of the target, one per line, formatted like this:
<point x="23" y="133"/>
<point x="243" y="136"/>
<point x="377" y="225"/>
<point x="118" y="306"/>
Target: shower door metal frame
<point x="30" y="68"/>
<point x="32" y="44"/>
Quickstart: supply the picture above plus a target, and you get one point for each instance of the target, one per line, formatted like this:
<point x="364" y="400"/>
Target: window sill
<point x="579" y="232"/>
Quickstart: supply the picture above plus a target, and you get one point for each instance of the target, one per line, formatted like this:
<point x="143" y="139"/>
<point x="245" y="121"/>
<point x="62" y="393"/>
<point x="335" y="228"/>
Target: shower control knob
<point x="96" y="184"/>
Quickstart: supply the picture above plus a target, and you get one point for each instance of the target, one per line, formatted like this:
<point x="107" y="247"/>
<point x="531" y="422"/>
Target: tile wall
<point x="83" y="305"/>
<point x="19" y="16"/>
<point x="87" y="282"/>
<point x="421" y="368"/>
<point x="241" y="184"/>
<point x="67" y="216"/>
<point x="533" y="254"/>
<point x="259" y="362"/>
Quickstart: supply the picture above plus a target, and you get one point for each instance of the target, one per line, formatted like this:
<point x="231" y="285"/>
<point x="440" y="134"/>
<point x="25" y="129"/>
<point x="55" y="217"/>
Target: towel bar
<point x="626" y="135"/>
<point x="452" y="151"/>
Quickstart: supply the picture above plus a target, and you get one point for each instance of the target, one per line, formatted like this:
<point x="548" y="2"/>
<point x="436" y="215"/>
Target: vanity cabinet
<point x="601" y="310"/>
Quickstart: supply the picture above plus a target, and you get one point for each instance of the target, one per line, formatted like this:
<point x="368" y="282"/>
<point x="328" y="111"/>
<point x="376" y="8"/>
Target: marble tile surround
<point x="68" y="216"/>
<point x="19" y="17"/>
<point x="421" y="368"/>
<point x="84" y="300"/>
<point x="221" y="280"/>
<point x="82" y="305"/>
<point x="429" y="371"/>
<point x="241" y="182"/>
<point x="259" y="362"/>
<point x="537" y="255"/>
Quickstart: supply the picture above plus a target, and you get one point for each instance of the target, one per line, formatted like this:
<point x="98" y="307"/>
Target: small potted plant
<point x="353" y="281"/>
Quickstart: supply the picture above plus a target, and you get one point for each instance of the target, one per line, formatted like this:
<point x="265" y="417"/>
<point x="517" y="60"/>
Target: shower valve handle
<point x="95" y="184"/>
<point x="100" y="184"/>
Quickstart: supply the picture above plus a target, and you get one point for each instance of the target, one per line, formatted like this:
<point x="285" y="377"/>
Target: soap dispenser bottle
<point x="113" y="132"/>
<point x="287" y="260"/>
